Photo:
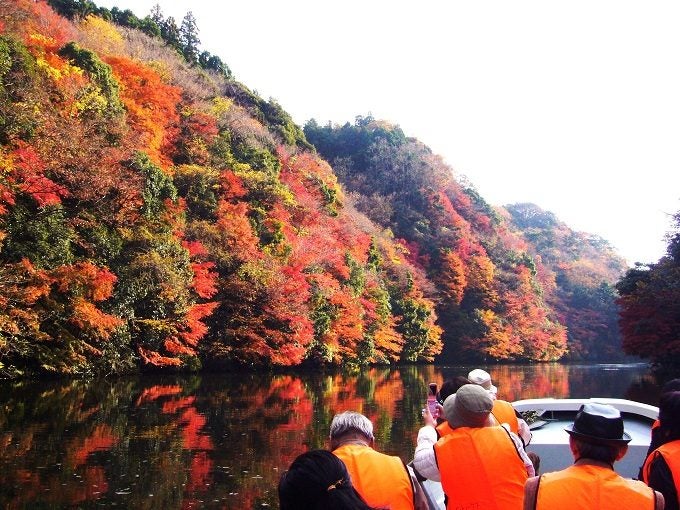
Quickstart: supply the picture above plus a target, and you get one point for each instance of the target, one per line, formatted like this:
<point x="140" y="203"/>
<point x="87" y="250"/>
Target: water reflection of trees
<point x="221" y="441"/>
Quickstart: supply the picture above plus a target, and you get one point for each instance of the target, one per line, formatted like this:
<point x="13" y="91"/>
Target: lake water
<point x="222" y="441"/>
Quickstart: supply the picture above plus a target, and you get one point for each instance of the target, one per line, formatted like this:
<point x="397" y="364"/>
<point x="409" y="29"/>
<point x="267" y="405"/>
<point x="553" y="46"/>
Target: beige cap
<point x="468" y="407"/>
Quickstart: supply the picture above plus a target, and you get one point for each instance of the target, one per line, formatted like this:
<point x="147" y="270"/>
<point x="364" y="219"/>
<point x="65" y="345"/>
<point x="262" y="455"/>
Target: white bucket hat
<point x="483" y="379"/>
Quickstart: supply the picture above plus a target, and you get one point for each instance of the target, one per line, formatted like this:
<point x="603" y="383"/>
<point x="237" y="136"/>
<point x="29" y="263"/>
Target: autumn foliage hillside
<point x="585" y="269"/>
<point x="511" y="283"/>
<point x="154" y="213"/>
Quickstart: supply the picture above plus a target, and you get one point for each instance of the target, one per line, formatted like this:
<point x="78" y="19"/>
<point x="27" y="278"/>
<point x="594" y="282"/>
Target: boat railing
<point x="573" y="404"/>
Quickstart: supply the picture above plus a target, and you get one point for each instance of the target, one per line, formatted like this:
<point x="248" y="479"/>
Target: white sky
<point x="572" y="105"/>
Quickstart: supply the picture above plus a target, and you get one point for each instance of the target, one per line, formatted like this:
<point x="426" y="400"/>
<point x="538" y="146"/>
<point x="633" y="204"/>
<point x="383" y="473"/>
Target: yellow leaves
<point x="258" y="181"/>
<point x="44" y="50"/>
<point x="255" y="273"/>
<point x="162" y="69"/>
<point x="90" y="101"/>
<point x="101" y="36"/>
<point x="221" y="105"/>
<point x="41" y="41"/>
<point x="6" y="162"/>
<point x="55" y="67"/>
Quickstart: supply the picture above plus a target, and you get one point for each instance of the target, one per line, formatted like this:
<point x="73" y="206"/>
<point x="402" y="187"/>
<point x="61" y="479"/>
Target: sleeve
<point x="531" y="492"/>
<point x="524" y="432"/>
<point x="661" y="479"/>
<point x="424" y="460"/>
<point x="529" y="466"/>
<point x="419" y="497"/>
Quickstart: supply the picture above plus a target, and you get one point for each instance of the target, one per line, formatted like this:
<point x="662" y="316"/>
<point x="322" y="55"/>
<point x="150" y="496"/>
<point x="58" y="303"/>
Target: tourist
<point x="449" y="387"/>
<point x="672" y="385"/>
<point x="382" y="480"/>
<point x="661" y="470"/>
<point x="503" y="412"/>
<point x="480" y="464"/>
<point x="596" y="440"/>
<point x="318" y="480"/>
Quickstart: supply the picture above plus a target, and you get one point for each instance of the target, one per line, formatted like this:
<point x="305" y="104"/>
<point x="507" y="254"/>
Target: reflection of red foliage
<point x="94" y="478"/>
<point x="550" y="380"/>
<point x="176" y="405"/>
<point x="200" y="477"/>
<point x="94" y="484"/>
<point x="101" y="438"/>
<point x="193" y="422"/>
<point x="158" y="391"/>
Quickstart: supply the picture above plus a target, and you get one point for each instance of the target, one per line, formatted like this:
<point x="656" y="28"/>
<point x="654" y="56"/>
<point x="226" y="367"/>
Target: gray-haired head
<point x="351" y="423"/>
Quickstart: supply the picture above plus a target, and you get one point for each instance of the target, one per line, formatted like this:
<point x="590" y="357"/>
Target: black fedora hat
<point x="599" y="424"/>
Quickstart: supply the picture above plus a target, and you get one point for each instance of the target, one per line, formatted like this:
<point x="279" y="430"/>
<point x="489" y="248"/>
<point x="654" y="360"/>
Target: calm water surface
<point x="221" y="441"/>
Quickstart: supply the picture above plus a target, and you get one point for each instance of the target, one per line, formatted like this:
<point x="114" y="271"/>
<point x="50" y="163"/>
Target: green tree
<point x="650" y="315"/>
<point x="188" y="38"/>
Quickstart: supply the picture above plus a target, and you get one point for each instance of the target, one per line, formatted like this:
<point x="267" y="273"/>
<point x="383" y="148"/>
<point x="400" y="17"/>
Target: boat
<point x="547" y="418"/>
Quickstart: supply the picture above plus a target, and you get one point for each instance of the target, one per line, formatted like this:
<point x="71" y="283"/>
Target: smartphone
<point x="432" y="400"/>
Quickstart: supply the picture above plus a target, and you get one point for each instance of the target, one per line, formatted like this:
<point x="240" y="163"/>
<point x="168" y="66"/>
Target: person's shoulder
<point x="561" y="474"/>
<point x="638" y="485"/>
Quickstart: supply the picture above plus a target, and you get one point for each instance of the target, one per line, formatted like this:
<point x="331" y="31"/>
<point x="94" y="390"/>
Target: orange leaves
<point x="151" y="105"/>
<point x="194" y="329"/>
<point x="86" y="280"/>
<point x="347" y="328"/>
<point x="88" y="317"/>
<point x="87" y="283"/>
<point x="34" y="283"/>
<point x="204" y="282"/>
<point x="235" y="226"/>
<point x="452" y="277"/>
<point x="232" y="186"/>
<point x="388" y="342"/>
<point x="156" y="359"/>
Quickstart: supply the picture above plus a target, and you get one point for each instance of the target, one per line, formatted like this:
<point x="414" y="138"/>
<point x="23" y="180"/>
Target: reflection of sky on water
<point x="221" y="441"/>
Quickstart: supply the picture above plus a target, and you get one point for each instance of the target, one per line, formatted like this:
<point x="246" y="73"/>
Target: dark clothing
<point x="661" y="479"/>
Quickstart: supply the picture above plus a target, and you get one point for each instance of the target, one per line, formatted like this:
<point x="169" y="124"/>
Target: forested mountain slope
<point x="156" y="213"/>
<point x="650" y="315"/>
<point x="585" y="269"/>
<point x="512" y="282"/>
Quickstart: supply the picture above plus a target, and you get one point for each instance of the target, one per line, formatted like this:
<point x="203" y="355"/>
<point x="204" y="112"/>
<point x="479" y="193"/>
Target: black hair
<point x="669" y="416"/>
<point x="318" y="480"/>
<point x="450" y="386"/>
<point x="672" y="385"/>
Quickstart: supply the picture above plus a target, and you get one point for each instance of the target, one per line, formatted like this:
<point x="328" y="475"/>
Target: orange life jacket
<point x="671" y="454"/>
<point x="481" y="469"/>
<point x="443" y="428"/>
<point x="587" y="486"/>
<point x="503" y="412"/>
<point x="382" y="480"/>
